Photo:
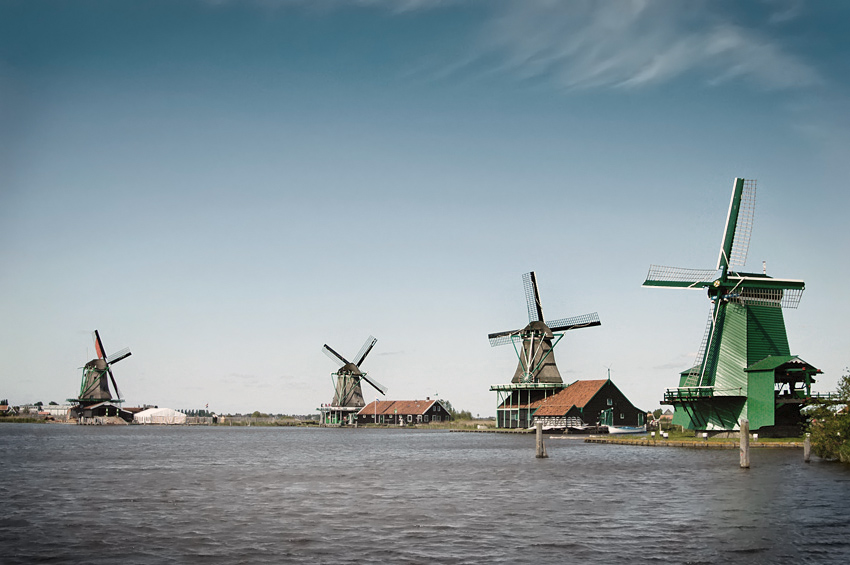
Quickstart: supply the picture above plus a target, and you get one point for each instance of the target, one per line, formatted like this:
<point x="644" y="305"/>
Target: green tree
<point x="457" y="414"/>
<point x="829" y="425"/>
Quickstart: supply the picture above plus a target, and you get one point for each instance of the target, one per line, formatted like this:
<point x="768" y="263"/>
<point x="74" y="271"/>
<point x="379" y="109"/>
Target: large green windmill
<point x="744" y="367"/>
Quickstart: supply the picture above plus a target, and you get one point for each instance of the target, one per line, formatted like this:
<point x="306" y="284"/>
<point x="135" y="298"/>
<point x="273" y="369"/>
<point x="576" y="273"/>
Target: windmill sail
<point x="333" y="355"/>
<point x="743" y="226"/>
<point x="585" y="321"/>
<point x="375" y="384"/>
<point x="532" y="297"/>
<point x="678" y="277"/>
<point x="364" y="351"/>
<point x="118" y="356"/>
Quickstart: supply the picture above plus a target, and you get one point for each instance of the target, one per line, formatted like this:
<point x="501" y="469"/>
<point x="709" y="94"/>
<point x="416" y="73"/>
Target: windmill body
<point x="95" y="386"/>
<point x="95" y="398"/>
<point x="348" y="392"/>
<point x="744" y="367"/>
<point x="536" y="361"/>
<point x="536" y="376"/>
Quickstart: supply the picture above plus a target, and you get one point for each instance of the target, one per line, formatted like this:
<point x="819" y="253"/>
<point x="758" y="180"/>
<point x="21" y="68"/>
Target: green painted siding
<point x="761" y="404"/>
<point x="715" y="414"/>
<point x="766" y="333"/>
<point x="682" y="418"/>
<point x="725" y="413"/>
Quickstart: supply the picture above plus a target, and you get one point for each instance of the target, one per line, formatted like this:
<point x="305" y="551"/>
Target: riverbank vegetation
<point x="22" y="419"/>
<point x="829" y="425"/>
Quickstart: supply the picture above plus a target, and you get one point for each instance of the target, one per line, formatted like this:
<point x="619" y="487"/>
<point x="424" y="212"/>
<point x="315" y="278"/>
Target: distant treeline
<point x="197" y="413"/>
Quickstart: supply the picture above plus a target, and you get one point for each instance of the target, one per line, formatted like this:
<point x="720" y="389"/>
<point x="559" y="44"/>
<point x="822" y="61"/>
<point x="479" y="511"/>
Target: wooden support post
<point x="745" y="444"/>
<point x="541" y="449"/>
<point x="807" y="448"/>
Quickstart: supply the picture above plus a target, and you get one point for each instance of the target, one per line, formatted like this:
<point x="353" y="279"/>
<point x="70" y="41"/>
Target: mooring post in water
<point x="745" y="444"/>
<point x="807" y="448"/>
<point x="541" y="449"/>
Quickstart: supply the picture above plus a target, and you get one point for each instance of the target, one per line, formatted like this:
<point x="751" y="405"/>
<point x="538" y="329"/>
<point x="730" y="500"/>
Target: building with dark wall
<point x="403" y="412"/>
<point x="100" y="410"/>
<point x="588" y="403"/>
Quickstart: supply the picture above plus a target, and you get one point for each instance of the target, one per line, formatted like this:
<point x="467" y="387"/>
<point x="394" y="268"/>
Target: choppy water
<point x="150" y="495"/>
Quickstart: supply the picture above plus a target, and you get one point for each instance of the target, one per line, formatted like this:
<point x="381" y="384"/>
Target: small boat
<point x="627" y="429"/>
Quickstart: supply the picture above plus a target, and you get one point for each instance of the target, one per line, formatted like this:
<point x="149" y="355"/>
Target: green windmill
<point x="744" y="367"/>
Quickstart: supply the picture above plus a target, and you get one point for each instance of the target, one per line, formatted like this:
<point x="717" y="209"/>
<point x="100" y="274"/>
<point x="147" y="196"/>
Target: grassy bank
<point x="21" y="420"/>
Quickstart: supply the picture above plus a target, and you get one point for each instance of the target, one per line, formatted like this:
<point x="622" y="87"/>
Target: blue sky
<point x="226" y="186"/>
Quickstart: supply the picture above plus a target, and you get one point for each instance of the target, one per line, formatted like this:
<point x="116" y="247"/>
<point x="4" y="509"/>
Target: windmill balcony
<point x="687" y="394"/>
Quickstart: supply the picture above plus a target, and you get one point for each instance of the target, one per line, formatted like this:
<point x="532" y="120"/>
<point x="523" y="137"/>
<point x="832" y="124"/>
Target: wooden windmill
<point x="744" y="367"/>
<point x="97" y="374"/>
<point x="536" y="375"/>
<point x="348" y="392"/>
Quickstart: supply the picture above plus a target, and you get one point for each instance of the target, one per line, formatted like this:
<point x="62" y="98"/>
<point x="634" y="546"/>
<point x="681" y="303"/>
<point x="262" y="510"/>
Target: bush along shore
<point x="829" y="425"/>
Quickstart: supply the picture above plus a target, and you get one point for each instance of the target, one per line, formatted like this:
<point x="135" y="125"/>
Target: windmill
<point x="536" y="375"/>
<point x="348" y="393"/>
<point x="744" y="363"/>
<point x="94" y="387"/>
<point x="534" y="342"/>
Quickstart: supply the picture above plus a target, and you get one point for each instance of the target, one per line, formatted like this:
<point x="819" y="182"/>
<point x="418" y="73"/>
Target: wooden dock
<point x="696" y="444"/>
<point x="494" y="431"/>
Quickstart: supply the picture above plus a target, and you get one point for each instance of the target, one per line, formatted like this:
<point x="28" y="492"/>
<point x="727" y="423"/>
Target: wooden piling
<point x="745" y="444"/>
<point x="807" y="448"/>
<point x="541" y="449"/>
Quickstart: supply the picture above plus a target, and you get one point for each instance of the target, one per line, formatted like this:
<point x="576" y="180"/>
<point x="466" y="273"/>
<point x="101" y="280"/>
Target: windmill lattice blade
<point x="378" y="386"/>
<point x="532" y="297"/>
<point x="119" y="355"/>
<point x="333" y="355"/>
<point x="585" y="321"/>
<point x="680" y="278"/>
<point x="693" y="378"/>
<point x="98" y="345"/>
<point x="744" y="226"/>
<point x="364" y="351"/>
<point x="114" y="384"/>
<point x="501" y="338"/>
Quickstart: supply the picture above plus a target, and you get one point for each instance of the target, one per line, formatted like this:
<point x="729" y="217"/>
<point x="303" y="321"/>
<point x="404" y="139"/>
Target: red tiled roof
<point x="577" y="394"/>
<point x="405" y="407"/>
<point x="553" y="410"/>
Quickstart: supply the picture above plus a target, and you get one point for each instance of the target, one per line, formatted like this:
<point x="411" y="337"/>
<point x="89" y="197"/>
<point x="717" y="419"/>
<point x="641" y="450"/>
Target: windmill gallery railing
<point x="688" y="394"/>
<point x="694" y="393"/>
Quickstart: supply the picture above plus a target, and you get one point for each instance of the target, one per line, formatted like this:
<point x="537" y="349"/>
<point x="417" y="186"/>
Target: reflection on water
<point x="255" y="495"/>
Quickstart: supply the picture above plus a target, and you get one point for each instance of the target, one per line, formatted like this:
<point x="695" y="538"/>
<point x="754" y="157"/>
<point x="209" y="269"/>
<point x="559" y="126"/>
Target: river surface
<point x="210" y="495"/>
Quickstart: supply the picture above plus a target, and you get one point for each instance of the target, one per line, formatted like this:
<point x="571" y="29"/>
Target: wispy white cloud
<point x="625" y="44"/>
<point x="585" y="44"/>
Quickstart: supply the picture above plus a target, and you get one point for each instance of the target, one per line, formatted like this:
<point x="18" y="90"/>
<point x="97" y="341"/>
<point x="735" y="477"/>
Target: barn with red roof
<point x="403" y="412"/>
<point x="586" y="404"/>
